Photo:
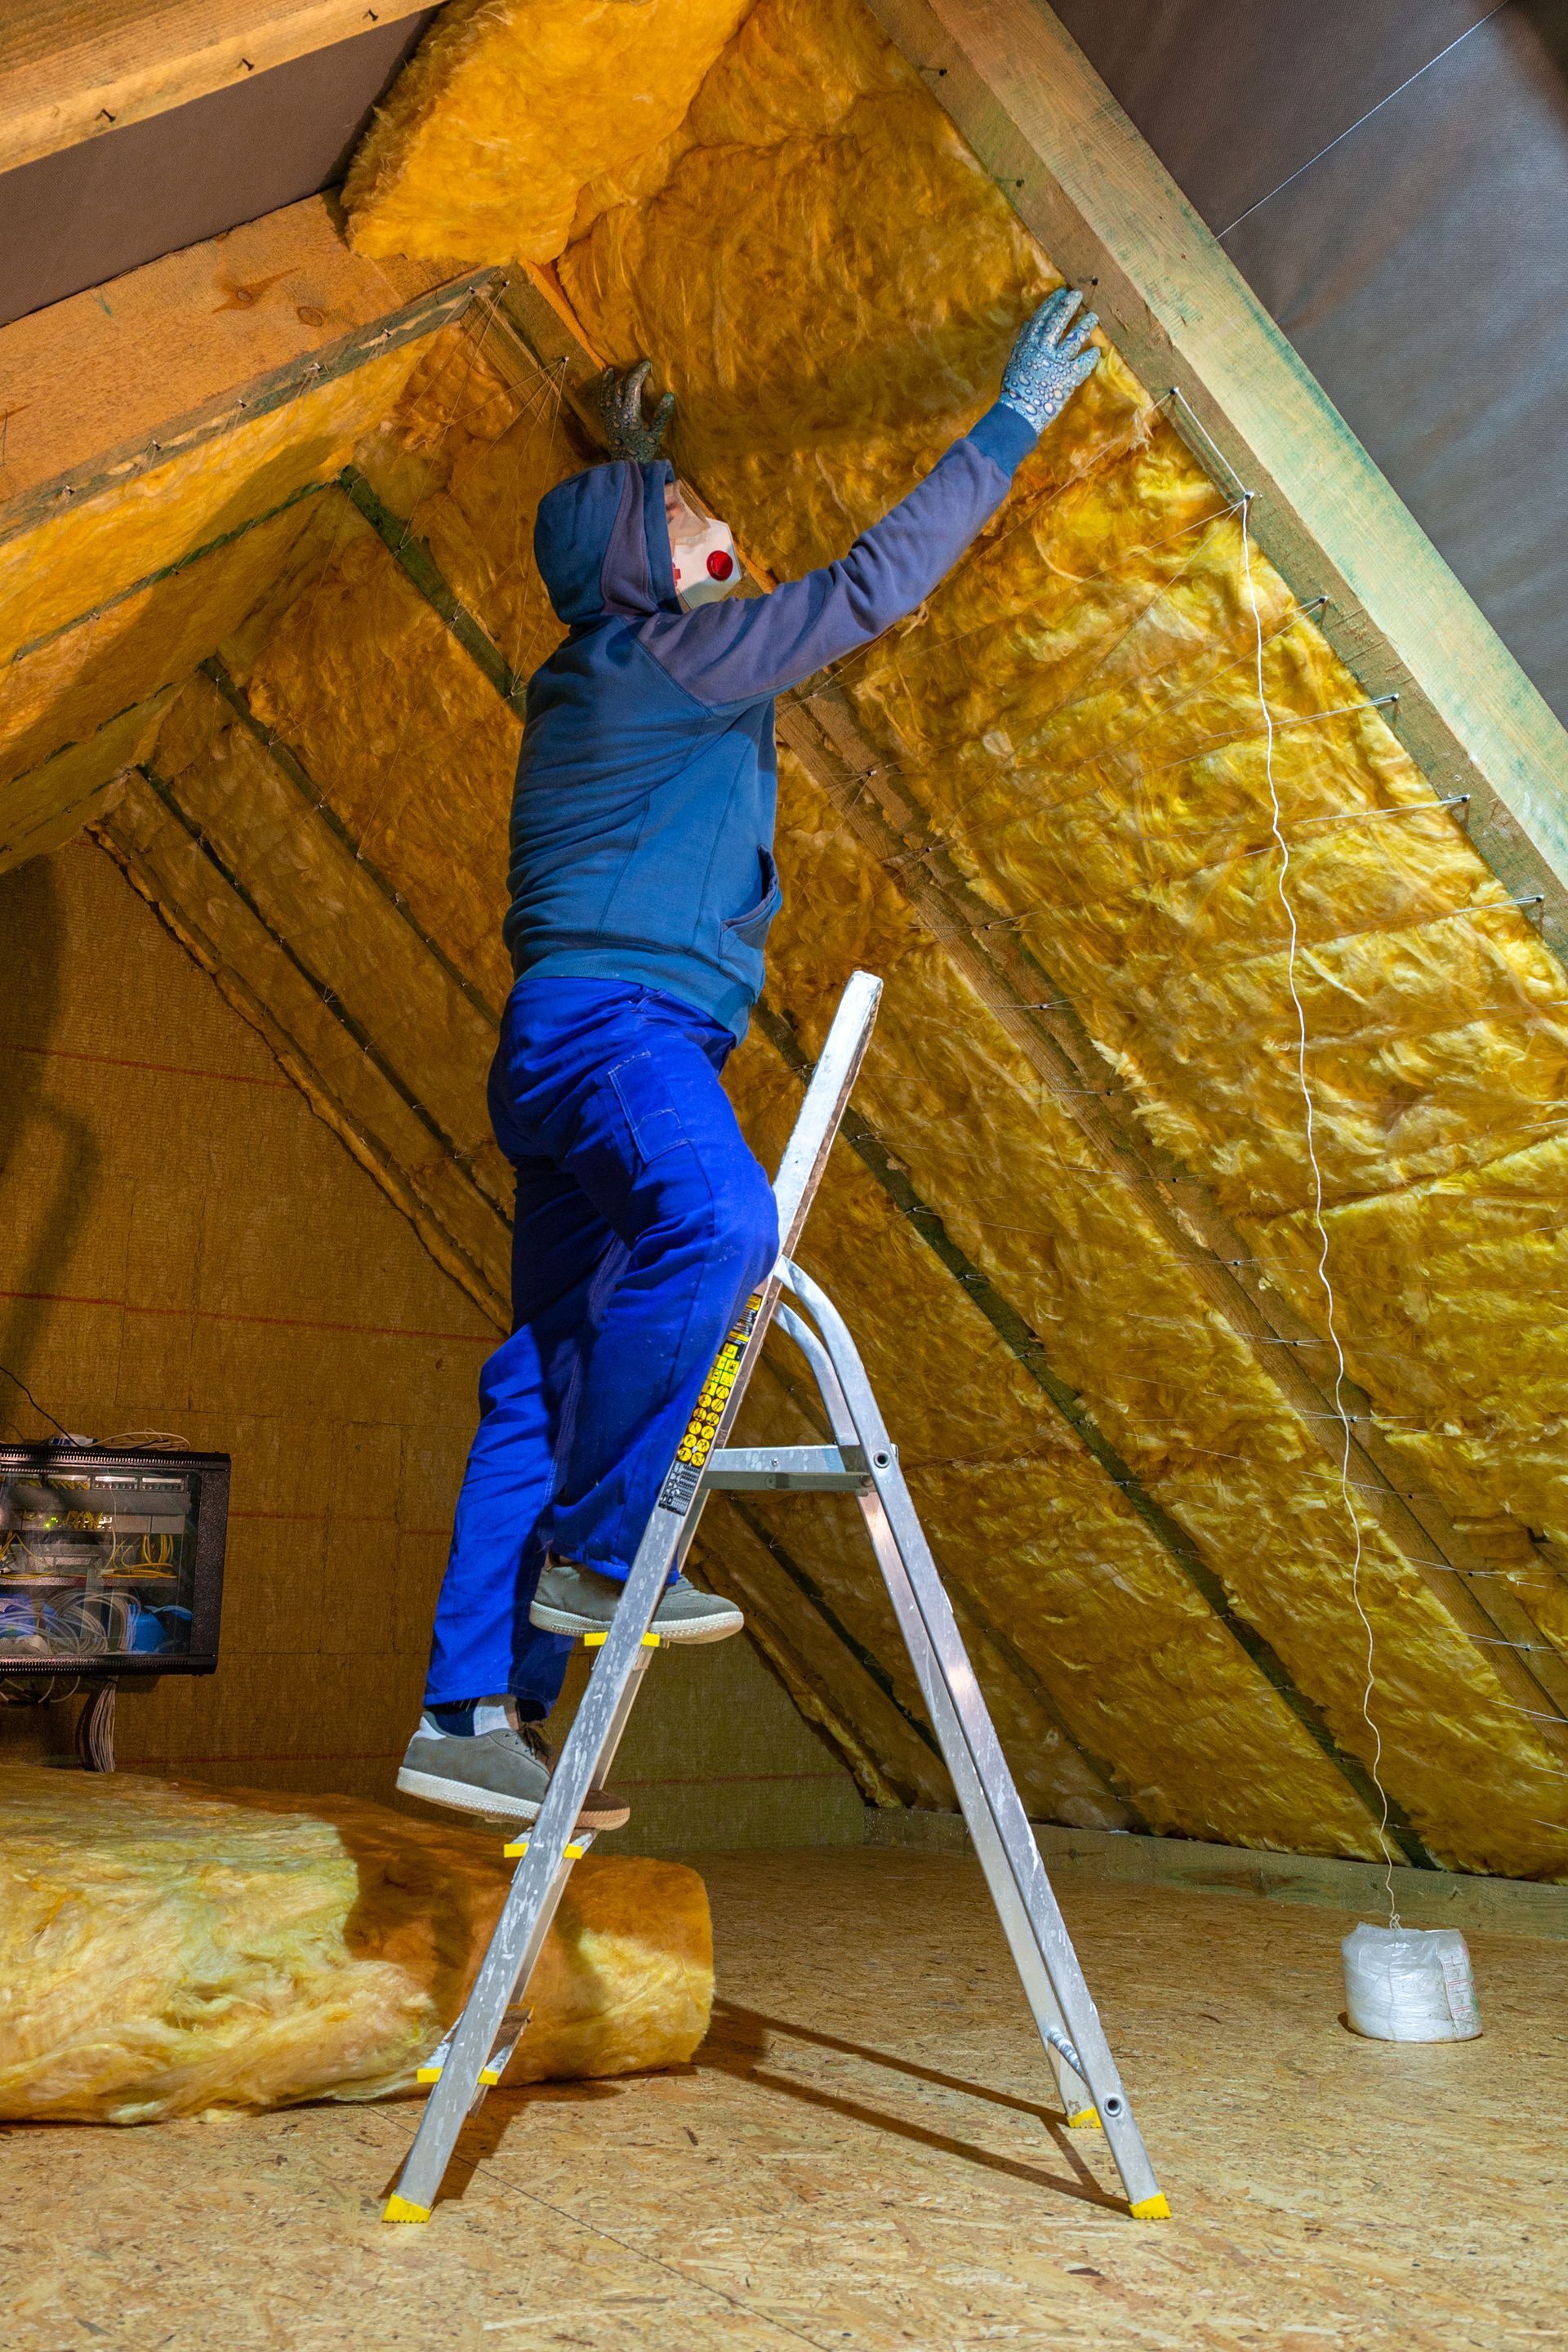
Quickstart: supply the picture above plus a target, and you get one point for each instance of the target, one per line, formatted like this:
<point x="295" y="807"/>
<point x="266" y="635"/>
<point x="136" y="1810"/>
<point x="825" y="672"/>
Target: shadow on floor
<point x="739" y="2044"/>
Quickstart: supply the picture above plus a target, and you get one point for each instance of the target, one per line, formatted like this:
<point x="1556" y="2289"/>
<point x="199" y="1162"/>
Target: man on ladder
<point x="643" y="885"/>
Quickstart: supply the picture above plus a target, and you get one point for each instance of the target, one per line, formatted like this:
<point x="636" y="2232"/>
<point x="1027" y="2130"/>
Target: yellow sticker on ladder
<point x="680" y="1488"/>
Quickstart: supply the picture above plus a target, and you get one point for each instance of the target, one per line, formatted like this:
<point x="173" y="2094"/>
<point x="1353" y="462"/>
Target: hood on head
<point x="602" y="543"/>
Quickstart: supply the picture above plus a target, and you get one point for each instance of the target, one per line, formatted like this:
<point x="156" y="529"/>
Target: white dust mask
<point x="701" y="551"/>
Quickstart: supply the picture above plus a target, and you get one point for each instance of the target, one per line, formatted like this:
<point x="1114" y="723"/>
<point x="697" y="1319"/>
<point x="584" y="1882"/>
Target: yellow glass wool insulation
<point x="308" y="886"/>
<point x="510" y="107"/>
<point x="165" y="1951"/>
<point x="49" y="806"/>
<point x="465" y="459"/>
<point x="349" y="1087"/>
<point x="406" y="737"/>
<point x="70" y="686"/>
<point x="1022" y="1520"/>
<point x="1176" y="1392"/>
<point x="1077" y="710"/>
<point x="97" y="548"/>
<point x="769" y="423"/>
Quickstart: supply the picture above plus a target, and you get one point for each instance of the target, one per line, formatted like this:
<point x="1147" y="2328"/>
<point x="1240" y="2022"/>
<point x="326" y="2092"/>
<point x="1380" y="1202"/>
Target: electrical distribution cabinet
<point x="111" y="1561"/>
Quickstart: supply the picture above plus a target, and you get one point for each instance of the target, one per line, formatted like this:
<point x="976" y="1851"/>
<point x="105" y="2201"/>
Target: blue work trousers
<point x="643" y="1222"/>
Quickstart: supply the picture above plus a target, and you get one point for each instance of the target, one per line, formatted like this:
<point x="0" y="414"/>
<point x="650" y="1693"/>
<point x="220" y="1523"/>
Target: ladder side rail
<point x="978" y="1734"/>
<point x="1017" y="1924"/>
<point x="630" y="1688"/>
<point x="537" y="1886"/>
<point x="541" y="1877"/>
<point x="826" y="1101"/>
<point x="1072" y="2087"/>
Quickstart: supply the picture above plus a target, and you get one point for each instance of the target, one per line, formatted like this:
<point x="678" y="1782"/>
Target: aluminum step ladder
<point x="862" y="1461"/>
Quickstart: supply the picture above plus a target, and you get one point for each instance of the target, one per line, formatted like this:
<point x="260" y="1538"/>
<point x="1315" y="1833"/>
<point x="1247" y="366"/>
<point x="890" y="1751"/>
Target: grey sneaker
<point x="575" y="1600"/>
<point x="504" y="1773"/>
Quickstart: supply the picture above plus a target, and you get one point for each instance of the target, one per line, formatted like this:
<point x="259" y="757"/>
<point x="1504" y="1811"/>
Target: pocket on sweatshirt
<point x="648" y="1106"/>
<point x="752" y="928"/>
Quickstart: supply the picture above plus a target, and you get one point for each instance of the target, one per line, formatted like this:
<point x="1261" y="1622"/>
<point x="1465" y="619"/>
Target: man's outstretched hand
<point x="630" y="434"/>
<point x="1052" y="356"/>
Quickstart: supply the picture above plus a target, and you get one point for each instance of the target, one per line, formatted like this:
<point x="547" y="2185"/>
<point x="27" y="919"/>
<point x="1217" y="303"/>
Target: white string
<point x="1322" y="1231"/>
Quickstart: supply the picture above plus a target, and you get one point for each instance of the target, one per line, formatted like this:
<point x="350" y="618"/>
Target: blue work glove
<point x="1050" y="359"/>
<point x="629" y="434"/>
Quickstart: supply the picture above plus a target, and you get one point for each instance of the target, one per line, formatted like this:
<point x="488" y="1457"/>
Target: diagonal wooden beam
<point x="1111" y="216"/>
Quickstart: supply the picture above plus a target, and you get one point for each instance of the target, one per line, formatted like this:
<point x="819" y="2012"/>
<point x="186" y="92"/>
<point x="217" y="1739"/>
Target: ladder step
<point x="597" y="1641"/>
<point x="494" y="2067"/>
<point x="788" y="1469"/>
<point x="517" y="1847"/>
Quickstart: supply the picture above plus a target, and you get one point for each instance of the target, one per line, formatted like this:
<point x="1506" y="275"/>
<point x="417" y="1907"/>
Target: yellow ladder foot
<point x="1151" y="2209"/>
<point x="1085" y="2119"/>
<point x="403" y="2209"/>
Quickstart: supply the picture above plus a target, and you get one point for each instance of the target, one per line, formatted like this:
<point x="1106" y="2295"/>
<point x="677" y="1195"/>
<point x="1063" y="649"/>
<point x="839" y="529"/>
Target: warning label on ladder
<point x="681" y="1486"/>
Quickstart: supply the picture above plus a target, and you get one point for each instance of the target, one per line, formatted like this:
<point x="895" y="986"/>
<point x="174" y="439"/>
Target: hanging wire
<point x="1324" y="1279"/>
<point x="41" y="1410"/>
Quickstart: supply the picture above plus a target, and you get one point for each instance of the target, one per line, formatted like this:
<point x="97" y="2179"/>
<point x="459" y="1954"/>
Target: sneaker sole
<point x="689" y="1631"/>
<point x="461" y="1797"/>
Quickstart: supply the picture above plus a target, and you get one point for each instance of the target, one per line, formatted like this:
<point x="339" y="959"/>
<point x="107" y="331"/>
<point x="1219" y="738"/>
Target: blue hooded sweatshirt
<point x="642" y="826"/>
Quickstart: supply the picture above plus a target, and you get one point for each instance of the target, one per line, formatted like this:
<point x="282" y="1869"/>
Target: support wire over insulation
<point x="1319" y="1228"/>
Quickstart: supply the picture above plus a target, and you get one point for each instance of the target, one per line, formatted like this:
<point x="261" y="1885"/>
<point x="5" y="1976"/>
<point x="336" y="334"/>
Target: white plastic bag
<point x="1410" y="1984"/>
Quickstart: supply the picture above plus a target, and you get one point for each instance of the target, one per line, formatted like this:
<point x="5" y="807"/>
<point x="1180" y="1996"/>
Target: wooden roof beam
<point x="1111" y="216"/>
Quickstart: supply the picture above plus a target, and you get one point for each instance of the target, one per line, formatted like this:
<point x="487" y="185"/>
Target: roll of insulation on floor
<point x="1410" y="1984"/>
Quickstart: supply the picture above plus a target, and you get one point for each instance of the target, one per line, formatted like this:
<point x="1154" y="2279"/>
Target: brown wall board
<point x="93" y="210"/>
<point x="77" y="69"/>
<point x="95" y="549"/>
<point x="187" y="1248"/>
<point x="191" y="346"/>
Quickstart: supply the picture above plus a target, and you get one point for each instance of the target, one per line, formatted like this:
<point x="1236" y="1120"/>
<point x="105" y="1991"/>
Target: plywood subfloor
<point x="858" y="2159"/>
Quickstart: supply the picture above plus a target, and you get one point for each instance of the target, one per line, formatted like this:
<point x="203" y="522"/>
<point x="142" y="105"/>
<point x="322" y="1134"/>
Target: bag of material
<point x="1410" y="1984"/>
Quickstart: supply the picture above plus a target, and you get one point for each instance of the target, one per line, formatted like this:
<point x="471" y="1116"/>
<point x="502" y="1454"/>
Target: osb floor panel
<point x="857" y="2159"/>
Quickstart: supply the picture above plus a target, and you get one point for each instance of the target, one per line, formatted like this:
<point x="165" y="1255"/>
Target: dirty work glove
<point x="1050" y="359"/>
<point x="620" y="404"/>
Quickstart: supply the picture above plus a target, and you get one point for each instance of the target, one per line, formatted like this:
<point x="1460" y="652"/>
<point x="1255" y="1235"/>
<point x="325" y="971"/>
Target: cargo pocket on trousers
<point x="648" y="1106"/>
